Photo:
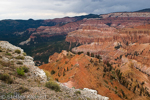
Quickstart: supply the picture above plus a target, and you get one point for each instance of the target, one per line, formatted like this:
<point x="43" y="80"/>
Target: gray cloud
<point x="46" y="9"/>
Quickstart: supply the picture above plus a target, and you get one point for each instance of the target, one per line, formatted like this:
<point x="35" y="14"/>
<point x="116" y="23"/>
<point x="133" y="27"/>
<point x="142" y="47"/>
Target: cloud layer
<point x="48" y="9"/>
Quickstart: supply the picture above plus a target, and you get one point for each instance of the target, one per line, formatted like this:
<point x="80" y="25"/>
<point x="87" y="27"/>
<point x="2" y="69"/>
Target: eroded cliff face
<point x="79" y="71"/>
<point x="88" y="34"/>
<point x="113" y="51"/>
<point x="62" y="26"/>
<point x="64" y="29"/>
<point x="117" y="80"/>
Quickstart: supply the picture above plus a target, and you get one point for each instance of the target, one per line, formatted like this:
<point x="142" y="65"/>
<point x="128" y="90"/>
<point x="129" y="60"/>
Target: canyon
<point x="108" y="54"/>
<point x="113" y="56"/>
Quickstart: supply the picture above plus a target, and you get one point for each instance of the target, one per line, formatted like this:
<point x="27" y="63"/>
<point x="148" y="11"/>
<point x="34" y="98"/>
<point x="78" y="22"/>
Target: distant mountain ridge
<point x="144" y="10"/>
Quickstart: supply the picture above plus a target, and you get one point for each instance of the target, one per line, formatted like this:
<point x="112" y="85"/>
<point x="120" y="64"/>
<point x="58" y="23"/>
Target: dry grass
<point x="6" y="78"/>
<point x="5" y="63"/>
<point x="53" y="85"/>
<point x="22" y="89"/>
<point x="48" y="74"/>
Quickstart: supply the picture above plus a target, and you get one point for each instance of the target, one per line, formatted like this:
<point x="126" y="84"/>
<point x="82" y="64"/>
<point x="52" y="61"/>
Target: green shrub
<point x="77" y="92"/>
<point x="24" y="54"/>
<point x="92" y="54"/>
<point x="20" y="71"/>
<point x="91" y="60"/>
<point x="20" y="63"/>
<point x="6" y="78"/>
<point x="105" y="81"/>
<point x="52" y="72"/>
<point x="1" y="51"/>
<point x="17" y="51"/>
<point x="88" y="98"/>
<point x="9" y="54"/>
<point x="80" y="52"/>
<point x="88" y="53"/>
<point x="53" y="85"/>
<point x="20" y="57"/>
<point x="26" y="69"/>
<point x="64" y="73"/>
<point x="56" y="79"/>
<point x="22" y="89"/>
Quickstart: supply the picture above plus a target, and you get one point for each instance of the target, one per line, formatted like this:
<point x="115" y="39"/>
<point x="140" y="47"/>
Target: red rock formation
<point x="90" y="34"/>
<point x="48" y="31"/>
<point x="82" y="71"/>
<point x="121" y="39"/>
<point x="70" y="24"/>
<point x="140" y="34"/>
<point x="31" y="29"/>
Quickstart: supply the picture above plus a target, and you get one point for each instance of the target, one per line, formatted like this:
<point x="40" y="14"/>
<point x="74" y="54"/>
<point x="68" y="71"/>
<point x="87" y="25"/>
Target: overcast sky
<point x="49" y="9"/>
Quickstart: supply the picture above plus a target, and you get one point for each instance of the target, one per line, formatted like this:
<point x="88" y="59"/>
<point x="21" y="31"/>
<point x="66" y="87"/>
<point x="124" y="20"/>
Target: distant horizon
<point x="50" y="9"/>
<point x="70" y="15"/>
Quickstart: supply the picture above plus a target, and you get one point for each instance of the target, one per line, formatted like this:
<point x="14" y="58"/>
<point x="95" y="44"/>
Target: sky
<point x="49" y="9"/>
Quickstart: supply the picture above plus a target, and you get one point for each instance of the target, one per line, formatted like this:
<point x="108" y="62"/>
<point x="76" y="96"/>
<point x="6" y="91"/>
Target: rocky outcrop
<point x="26" y="60"/>
<point x="7" y="45"/>
<point x="139" y="55"/>
<point x="57" y="56"/>
<point x="88" y="93"/>
<point x="25" y="42"/>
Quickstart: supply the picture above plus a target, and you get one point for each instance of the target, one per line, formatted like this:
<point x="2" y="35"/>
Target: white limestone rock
<point x="29" y="61"/>
<point x="5" y="59"/>
<point x="90" y="90"/>
<point x="7" y="45"/>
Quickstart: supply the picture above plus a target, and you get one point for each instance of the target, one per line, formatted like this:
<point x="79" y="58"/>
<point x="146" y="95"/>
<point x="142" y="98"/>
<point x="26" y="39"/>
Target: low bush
<point x="105" y="81"/>
<point x="22" y="89"/>
<point x="9" y="54"/>
<point x="53" y="85"/>
<point x="20" y="71"/>
<point x="20" y="63"/>
<point x="48" y="74"/>
<point x="52" y="72"/>
<point x="77" y="92"/>
<point x="6" y="78"/>
<point x="20" y="57"/>
<point x="17" y="51"/>
<point x="24" y="54"/>
<point x="26" y="69"/>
